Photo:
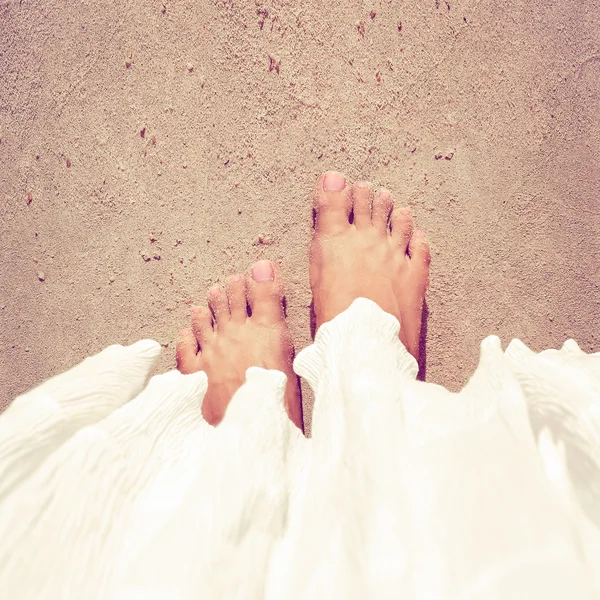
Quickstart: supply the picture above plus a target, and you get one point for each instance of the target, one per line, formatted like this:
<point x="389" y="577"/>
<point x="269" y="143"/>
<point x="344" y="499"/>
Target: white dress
<point x="115" y="487"/>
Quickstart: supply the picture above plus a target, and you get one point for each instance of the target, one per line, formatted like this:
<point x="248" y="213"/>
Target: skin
<point x="379" y="256"/>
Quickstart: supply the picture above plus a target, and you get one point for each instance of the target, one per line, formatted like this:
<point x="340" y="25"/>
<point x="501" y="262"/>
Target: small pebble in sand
<point x="29" y="198"/>
<point x="239" y="211"/>
<point x="143" y="132"/>
<point x="41" y="276"/>
<point x="263" y="240"/>
<point x="153" y="140"/>
<point x="448" y="155"/>
<point x="360" y="26"/>
<point x="274" y="64"/>
<point x="185" y="165"/>
<point x="372" y="14"/>
<point x="129" y="59"/>
<point x="190" y="67"/>
<point x="26" y="349"/>
<point x="111" y="280"/>
<point x="68" y="161"/>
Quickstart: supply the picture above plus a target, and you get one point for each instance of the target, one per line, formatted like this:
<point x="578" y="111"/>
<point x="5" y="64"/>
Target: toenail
<point x="362" y="184"/>
<point x="196" y="309"/>
<point x="182" y="332"/>
<point x="334" y="182"/>
<point x="405" y="212"/>
<point x="420" y="234"/>
<point x="214" y="292"/>
<point x="384" y="195"/>
<point x="263" y="271"/>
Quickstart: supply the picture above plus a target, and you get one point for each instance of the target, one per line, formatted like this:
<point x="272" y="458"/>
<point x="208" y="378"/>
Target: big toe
<point x="332" y="203"/>
<point x="265" y="293"/>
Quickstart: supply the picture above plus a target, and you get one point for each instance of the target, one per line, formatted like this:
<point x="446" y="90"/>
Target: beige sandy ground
<point x="145" y="146"/>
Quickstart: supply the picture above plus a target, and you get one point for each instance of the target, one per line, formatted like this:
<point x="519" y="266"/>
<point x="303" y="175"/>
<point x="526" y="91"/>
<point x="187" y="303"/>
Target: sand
<point x="150" y="149"/>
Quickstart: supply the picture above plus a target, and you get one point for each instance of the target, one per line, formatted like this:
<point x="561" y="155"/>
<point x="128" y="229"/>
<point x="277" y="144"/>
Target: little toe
<point x="186" y="352"/>
<point x="217" y="300"/>
<point x="419" y="251"/>
<point x="236" y="292"/>
<point x="362" y="195"/>
<point x="265" y="293"/>
<point x="402" y="228"/>
<point x="382" y="207"/>
<point x="202" y="325"/>
<point x="332" y="203"/>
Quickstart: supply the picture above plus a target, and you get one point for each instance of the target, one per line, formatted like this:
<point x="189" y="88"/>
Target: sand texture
<point x="149" y="149"/>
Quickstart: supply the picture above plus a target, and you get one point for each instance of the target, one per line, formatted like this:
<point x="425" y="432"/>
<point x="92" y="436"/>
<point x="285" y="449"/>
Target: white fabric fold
<point x="37" y="422"/>
<point x="405" y="489"/>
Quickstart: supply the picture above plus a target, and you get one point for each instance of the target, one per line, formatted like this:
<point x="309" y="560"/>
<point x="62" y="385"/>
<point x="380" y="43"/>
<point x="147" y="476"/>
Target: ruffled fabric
<point x="117" y="488"/>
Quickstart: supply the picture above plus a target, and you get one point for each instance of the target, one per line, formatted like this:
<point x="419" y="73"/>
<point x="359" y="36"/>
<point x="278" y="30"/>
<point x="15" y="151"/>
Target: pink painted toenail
<point x="405" y="212"/>
<point x="182" y="332"/>
<point x="214" y="292"/>
<point x="334" y="182"/>
<point x="384" y="195"/>
<point x="263" y="271"/>
<point x="362" y="184"/>
<point x="196" y="309"/>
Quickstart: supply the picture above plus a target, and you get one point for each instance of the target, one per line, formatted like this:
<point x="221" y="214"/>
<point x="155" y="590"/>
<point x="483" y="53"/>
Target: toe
<point x="217" y="300"/>
<point x="382" y="207"/>
<point x="402" y="228"/>
<point x="265" y="293"/>
<point x="419" y="252"/>
<point x="332" y="203"/>
<point x="202" y="325"/>
<point x="236" y="292"/>
<point x="362" y="197"/>
<point x="186" y="352"/>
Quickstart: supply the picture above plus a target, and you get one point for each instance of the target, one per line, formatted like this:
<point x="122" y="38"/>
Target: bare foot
<point x="225" y="340"/>
<point x="379" y="256"/>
